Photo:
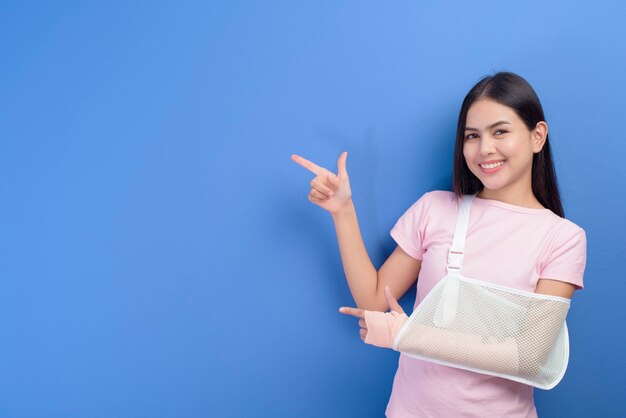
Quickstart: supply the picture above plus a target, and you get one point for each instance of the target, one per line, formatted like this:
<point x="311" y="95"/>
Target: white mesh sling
<point x="487" y="328"/>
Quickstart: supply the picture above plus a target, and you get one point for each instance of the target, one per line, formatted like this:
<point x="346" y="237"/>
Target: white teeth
<point x="490" y="166"/>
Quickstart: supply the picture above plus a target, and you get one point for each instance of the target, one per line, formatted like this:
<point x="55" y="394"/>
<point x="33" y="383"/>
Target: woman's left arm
<point x="474" y="350"/>
<point x="555" y="288"/>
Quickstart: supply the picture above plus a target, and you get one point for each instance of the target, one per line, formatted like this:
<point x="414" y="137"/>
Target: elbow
<point x="532" y="361"/>
<point x="376" y="302"/>
<point x="371" y="304"/>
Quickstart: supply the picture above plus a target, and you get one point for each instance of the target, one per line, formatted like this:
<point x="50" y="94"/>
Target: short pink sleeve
<point x="567" y="256"/>
<point x="408" y="231"/>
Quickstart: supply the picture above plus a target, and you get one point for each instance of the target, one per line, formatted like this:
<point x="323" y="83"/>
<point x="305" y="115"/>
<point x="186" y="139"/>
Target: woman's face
<point x="498" y="147"/>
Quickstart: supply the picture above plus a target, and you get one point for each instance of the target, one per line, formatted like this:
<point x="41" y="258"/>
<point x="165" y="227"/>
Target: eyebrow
<point x="500" y="122"/>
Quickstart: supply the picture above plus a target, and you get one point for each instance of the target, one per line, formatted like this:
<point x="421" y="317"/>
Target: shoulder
<point x="434" y="205"/>
<point x="567" y="230"/>
<point x="440" y="198"/>
<point x="436" y="200"/>
<point x="568" y="241"/>
<point x="566" y="255"/>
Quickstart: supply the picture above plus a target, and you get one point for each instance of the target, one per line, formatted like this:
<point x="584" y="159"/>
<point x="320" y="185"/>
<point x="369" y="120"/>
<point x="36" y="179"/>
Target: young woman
<point x="516" y="237"/>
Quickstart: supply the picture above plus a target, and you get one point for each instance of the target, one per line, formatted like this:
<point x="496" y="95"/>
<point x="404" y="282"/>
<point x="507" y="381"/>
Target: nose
<point x="486" y="145"/>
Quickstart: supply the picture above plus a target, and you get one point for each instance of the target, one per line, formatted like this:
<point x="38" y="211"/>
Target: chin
<point x="491" y="185"/>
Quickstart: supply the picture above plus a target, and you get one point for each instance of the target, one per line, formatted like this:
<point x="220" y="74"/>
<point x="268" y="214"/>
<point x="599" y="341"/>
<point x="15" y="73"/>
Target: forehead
<point x="484" y="112"/>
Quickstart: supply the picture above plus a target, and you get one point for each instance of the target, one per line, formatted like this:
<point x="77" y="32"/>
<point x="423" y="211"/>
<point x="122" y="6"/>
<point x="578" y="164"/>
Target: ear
<point x="539" y="136"/>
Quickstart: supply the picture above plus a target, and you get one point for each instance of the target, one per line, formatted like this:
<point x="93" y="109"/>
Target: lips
<point x="490" y="162"/>
<point x="492" y="168"/>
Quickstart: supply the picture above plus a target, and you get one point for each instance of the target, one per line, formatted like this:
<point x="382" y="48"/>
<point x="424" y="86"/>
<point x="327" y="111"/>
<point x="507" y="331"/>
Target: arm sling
<point x="486" y="328"/>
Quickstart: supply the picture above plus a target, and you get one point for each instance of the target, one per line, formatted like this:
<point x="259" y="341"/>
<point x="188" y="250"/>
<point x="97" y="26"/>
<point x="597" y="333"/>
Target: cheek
<point x="517" y="145"/>
<point x="468" y="154"/>
<point x="520" y="151"/>
<point x="466" y="151"/>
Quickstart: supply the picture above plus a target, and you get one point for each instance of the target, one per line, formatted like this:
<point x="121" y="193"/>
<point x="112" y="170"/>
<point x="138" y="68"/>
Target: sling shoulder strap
<point x="455" y="255"/>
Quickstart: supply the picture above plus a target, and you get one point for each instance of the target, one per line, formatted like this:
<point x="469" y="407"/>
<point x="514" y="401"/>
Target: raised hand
<point x="379" y="328"/>
<point x="328" y="191"/>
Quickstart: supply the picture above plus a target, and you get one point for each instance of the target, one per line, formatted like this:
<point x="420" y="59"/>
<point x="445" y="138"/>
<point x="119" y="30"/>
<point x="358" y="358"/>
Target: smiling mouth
<point x="492" y="165"/>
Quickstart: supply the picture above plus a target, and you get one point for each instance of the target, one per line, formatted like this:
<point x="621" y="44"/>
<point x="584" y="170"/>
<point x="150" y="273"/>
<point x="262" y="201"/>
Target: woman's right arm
<point x="367" y="285"/>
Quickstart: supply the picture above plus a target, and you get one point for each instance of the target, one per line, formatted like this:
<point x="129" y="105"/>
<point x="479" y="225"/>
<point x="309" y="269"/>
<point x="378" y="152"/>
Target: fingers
<point x="323" y="190"/>
<point x="307" y="164"/>
<point x="314" y="200"/>
<point x="315" y="196"/>
<point x="359" y="313"/>
<point x="392" y="301"/>
<point x="341" y="165"/>
<point x="352" y="311"/>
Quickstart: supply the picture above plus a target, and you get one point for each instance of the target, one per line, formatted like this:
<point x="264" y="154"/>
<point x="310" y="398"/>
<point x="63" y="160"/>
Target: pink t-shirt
<point x="505" y="244"/>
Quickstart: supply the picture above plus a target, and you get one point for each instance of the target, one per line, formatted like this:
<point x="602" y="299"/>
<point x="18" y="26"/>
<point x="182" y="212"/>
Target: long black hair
<point x="514" y="92"/>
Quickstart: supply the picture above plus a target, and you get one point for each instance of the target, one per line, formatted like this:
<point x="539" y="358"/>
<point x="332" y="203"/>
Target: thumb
<point x="341" y="165"/>
<point x="392" y="301"/>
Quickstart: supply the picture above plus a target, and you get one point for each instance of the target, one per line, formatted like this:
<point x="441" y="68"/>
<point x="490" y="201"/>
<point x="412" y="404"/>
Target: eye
<point x="470" y="136"/>
<point x="500" y="130"/>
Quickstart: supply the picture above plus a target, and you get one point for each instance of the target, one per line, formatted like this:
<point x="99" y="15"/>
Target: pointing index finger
<point x="359" y="313"/>
<point x="309" y="165"/>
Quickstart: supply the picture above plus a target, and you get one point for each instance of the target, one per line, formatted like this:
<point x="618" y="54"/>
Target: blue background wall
<point x="158" y="254"/>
